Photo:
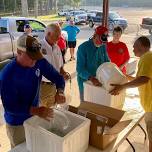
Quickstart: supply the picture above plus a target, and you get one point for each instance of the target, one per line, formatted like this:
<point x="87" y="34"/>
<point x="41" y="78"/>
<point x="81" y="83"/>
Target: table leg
<point x="130" y="144"/>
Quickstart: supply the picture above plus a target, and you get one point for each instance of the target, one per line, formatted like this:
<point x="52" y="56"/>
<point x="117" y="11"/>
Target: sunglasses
<point x="104" y="37"/>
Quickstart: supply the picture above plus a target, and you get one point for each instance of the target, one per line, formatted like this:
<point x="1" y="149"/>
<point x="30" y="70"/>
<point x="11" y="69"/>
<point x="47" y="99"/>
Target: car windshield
<point x="114" y="15"/>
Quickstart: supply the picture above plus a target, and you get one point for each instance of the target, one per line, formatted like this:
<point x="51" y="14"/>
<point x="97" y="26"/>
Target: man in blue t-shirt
<point x="20" y="83"/>
<point x="72" y="31"/>
<point x="90" y="55"/>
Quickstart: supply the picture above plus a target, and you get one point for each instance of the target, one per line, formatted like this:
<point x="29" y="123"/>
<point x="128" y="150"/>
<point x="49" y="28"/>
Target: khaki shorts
<point x="16" y="134"/>
<point x="47" y="94"/>
<point x="148" y="121"/>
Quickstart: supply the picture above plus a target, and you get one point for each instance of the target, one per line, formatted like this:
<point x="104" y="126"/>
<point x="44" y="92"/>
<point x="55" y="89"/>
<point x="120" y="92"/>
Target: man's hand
<point x="60" y="98"/>
<point x="95" y="81"/>
<point x="66" y="75"/>
<point x="116" y="90"/>
<point x="42" y="112"/>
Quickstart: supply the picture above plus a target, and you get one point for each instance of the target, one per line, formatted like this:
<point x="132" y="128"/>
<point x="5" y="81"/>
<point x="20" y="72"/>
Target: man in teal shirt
<point x="90" y="55"/>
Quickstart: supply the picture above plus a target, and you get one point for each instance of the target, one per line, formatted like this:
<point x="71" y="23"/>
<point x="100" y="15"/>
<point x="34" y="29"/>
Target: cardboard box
<point x="100" y="117"/>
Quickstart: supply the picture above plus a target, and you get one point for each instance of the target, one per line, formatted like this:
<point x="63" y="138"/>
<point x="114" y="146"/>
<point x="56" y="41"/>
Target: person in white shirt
<point x="52" y="53"/>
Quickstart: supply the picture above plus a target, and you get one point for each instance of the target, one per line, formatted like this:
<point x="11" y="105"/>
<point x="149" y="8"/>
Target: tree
<point x="24" y="5"/>
<point x="76" y="3"/>
<point x="36" y="4"/>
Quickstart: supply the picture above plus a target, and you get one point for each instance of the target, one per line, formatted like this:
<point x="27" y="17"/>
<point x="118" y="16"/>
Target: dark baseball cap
<point x="27" y="26"/>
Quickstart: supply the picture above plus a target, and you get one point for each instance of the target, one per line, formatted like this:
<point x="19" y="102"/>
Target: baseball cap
<point x="27" y="26"/>
<point x="30" y="45"/>
<point x="101" y="31"/>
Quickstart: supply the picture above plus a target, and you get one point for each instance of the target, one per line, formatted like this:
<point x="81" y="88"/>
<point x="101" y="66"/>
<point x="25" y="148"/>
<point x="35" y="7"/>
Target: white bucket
<point x="109" y="73"/>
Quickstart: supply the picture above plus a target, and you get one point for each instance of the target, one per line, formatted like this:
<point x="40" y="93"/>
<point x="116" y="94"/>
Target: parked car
<point x="147" y="24"/>
<point x="91" y="13"/>
<point x="13" y="27"/>
<point x="62" y="12"/>
<point x="77" y="16"/>
<point x="114" y="20"/>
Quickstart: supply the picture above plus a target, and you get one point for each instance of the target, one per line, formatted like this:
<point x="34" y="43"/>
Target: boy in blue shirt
<point x="72" y="31"/>
<point x="20" y="83"/>
<point x="90" y="55"/>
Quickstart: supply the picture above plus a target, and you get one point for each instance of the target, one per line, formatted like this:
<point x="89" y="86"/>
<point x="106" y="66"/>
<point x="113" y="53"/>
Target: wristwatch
<point x="60" y="91"/>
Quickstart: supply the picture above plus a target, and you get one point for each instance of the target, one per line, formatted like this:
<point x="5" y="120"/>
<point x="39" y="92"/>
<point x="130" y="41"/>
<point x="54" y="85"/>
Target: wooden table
<point x="134" y="115"/>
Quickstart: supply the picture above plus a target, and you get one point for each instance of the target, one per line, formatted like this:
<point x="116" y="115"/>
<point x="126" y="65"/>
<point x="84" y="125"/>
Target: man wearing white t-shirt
<point x="52" y="53"/>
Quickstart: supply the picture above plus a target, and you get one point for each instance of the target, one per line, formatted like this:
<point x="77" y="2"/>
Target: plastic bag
<point x="60" y="124"/>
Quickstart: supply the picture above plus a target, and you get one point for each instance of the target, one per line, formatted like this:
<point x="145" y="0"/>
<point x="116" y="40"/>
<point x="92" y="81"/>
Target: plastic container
<point x="39" y="139"/>
<point x="108" y="73"/>
<point x="101" y="96"/>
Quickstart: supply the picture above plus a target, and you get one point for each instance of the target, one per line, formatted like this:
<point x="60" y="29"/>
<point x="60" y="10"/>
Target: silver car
<point x="77" y="16"/>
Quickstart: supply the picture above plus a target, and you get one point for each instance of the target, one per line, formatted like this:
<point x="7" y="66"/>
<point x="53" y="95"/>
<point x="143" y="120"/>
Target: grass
<point x="53" y="17"/>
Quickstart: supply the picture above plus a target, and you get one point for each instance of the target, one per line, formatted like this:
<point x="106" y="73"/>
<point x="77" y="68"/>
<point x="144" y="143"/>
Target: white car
<point x="77" y="16"/>
<point x="62" y="12"/>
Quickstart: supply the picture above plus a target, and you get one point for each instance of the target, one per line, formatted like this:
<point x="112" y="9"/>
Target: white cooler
<point x="100" y="96"/>
<point x="39" y="139"/>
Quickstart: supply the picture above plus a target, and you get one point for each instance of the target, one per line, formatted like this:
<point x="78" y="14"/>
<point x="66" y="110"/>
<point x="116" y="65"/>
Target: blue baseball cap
<point x="27" y="26"/>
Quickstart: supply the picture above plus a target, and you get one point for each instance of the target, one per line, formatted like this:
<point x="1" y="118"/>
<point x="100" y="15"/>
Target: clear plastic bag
<point x="60" y="123"/>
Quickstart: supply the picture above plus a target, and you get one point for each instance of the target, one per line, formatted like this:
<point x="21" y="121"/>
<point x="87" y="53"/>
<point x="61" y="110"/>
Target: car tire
<point x="91" y="24"/>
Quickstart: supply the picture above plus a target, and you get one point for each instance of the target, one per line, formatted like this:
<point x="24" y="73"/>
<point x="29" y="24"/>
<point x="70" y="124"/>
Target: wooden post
<point x="105" y="13"/>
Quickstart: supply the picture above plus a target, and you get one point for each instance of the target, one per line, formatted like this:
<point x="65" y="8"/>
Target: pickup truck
<point x="10" y="29"/>
<point x="114" y="19"/>
<point x="147" y="24"/>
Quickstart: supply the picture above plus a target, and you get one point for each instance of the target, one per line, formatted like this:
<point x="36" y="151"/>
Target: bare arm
<point x="132" y="84"/>
<point x="129" y="77"/>
<point x="65" y="74"/>
<point x="136" y="82"/>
